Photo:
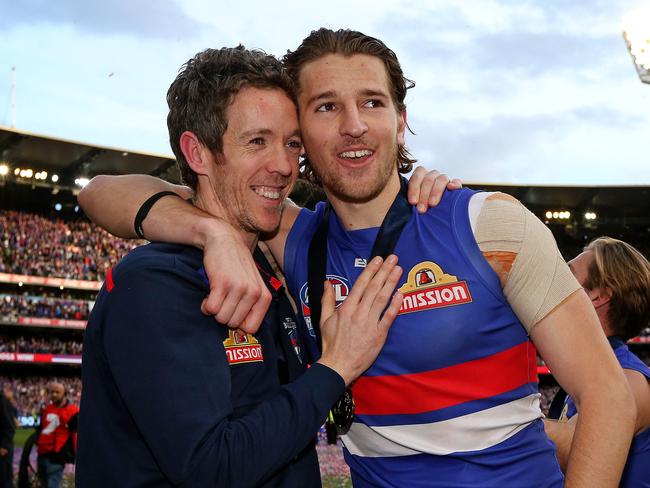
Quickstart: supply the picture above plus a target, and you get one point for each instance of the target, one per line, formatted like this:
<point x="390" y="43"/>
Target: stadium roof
<point x="613" y="197"/>
<point x="615" y="205"/>
<point x="604" y="209"/>
<point x="71" y="159"/>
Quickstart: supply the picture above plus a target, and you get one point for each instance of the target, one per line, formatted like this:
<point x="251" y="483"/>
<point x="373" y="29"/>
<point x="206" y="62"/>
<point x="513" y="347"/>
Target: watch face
<point x="343" y="412"/>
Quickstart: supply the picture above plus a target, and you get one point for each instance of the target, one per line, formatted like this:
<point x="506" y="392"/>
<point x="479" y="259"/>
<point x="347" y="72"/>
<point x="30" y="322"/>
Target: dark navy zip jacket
<point x="161" y="405"/>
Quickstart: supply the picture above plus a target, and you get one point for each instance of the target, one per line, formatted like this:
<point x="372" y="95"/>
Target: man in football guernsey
<point x="616" y="277"/>
<point x="172" y="398"/>
<point x="57" y="437"/>
<point x="452" y="398"/>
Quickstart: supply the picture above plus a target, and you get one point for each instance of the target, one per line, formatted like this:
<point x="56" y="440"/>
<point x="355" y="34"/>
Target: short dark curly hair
<point x="205" y="87"/>
<point x="347" y="42"/>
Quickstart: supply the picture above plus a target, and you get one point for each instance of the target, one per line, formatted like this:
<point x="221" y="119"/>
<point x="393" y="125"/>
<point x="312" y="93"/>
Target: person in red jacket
<point x="57" y="441"/>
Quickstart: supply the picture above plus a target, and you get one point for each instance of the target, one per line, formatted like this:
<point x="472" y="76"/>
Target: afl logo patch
<point x="242" y="348"/>
<point x="341" y="292"/>
<point x="428" y="286"/>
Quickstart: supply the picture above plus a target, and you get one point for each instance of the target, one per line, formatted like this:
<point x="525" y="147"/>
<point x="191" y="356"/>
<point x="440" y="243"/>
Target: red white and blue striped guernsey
<point x="452" y="400"/>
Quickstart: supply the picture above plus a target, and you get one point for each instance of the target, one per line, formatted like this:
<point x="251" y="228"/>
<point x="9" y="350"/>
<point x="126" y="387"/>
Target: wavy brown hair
<point x="347" y="42"/>
<point x="626" y="272"/>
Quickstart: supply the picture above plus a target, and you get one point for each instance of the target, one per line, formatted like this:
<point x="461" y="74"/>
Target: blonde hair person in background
<point x="616" y="277"/>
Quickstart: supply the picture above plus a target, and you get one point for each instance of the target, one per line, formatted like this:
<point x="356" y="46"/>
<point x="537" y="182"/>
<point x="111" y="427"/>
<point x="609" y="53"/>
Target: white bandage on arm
<point x="539" y="279"/>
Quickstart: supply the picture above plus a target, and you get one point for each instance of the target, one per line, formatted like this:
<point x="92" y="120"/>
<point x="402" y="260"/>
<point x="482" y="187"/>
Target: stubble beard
<point x="347" y="187"/>
<point x="252" y="225"/>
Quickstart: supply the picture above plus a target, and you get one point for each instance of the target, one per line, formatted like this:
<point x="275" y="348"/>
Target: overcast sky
<point x="508" y="91"/>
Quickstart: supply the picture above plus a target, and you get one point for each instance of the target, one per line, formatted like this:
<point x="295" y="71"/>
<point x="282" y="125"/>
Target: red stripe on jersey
<point x="446" y="387"/>
<point x="109" y="280"/>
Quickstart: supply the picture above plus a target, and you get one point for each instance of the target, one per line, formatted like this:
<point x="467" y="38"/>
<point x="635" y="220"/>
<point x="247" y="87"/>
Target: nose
<point x="352" y="123"/>
<point x="283" y="161"/>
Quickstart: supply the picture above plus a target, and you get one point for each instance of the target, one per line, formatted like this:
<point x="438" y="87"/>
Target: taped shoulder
<point x="523" y="252"/>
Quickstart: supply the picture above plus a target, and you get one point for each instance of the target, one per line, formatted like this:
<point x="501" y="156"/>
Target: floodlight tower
<point x="13" y="97"/>
<point x="636" y="32"/>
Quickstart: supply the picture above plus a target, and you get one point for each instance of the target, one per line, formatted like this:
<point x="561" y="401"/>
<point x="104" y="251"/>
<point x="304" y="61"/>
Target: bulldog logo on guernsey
<point x="428" y="286"/>
<point x="242" y="348"/>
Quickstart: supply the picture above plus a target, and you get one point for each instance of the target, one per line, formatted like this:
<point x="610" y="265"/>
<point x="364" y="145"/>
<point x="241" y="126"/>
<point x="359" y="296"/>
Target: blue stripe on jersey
<point x="449" y="412"/>
<point x="519" y="462"/>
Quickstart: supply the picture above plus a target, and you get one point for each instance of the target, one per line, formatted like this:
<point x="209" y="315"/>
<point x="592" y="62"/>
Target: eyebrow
<point x="327" y="94"/>
<point x="255" y="132"/>
<point x="331" y="94"/>
<point x="374" y="93"/>
<point x="264" y="132"/>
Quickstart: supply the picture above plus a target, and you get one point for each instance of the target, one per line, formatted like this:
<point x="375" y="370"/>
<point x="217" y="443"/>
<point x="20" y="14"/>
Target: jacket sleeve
<point x="176" y="386"/>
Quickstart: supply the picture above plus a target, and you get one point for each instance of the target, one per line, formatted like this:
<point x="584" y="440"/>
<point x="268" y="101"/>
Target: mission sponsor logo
<point x="341" y="291"/>
<point x="242" y="348"/>
<point x="428" y="286"/>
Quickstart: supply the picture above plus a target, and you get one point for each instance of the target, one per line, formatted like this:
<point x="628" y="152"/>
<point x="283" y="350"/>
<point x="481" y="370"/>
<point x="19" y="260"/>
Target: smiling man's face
<point x="259" y="162"/>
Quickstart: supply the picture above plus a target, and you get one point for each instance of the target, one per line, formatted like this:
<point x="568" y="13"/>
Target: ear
<point x="401" y="128"/>
<point x="600" y="296"/>
<point x="198" y="156"/>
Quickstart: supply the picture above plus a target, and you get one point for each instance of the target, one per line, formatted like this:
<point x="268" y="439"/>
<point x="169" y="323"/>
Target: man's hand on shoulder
<point x="238" y="296"/>
<point x="426" y="187"/>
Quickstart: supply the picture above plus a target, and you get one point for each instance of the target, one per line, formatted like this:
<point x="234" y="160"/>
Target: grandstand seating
<point x="41" y="304"/>
<point x="40" y="246"/>
<point x="41" y="345"/>
<point x="50" y="269"/>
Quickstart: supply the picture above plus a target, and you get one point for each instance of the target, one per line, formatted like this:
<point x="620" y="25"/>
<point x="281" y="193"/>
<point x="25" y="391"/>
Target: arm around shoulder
<point x="113" y="201"/>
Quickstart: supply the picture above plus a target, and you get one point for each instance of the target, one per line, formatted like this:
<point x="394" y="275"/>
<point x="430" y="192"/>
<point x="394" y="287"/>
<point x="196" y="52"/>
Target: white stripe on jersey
<point x="471" y="432"/>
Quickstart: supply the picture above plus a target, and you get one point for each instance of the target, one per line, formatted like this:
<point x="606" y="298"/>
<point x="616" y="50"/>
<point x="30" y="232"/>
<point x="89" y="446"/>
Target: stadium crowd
<point x="14" y="306"/>
<point x="39" y="246"/>
<point x="31" y="395"/>
<point x="39" y="345"/>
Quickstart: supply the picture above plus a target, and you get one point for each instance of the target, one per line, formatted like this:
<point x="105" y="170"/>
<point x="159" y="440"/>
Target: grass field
<point x="21" y="436"/>
<point x="337" y="482"/>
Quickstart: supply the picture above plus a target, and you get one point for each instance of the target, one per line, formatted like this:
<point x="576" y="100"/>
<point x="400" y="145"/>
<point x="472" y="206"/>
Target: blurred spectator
<point x="14" y="306"/>
<point x="37" y="246"/>
<point x="31" y="393"/>
<point x="39" y="345"/>
<point x="57" y="436"/>
<point x="7" y="431"/>
<point x="13" y="408"/>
